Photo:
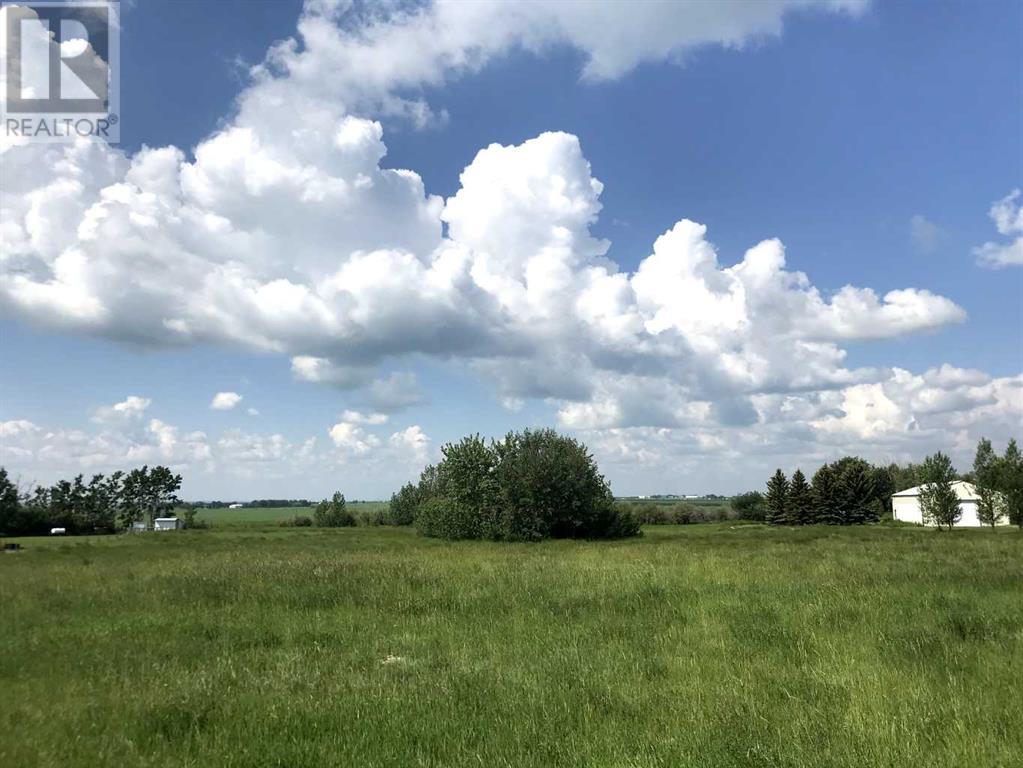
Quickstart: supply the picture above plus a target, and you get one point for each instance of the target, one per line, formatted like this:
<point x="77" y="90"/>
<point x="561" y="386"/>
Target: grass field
<point x="249" y="515"/>
<point x="706" y="645"/>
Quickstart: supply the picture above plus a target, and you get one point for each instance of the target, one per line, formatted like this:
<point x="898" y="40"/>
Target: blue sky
<point x="830" y="136"/>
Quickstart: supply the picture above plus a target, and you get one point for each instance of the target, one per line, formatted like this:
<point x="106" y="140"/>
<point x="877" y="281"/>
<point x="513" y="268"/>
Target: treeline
<point x="852" y="491"/>
<point x="681" y="513"/>
<point x="532" y="485"/>
<point x="104" y="504"/>
<point x="254" y="504"/>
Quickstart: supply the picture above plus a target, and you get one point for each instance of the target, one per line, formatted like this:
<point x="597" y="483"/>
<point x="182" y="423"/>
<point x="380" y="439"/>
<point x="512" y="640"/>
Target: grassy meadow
<point x="702" y="645"/>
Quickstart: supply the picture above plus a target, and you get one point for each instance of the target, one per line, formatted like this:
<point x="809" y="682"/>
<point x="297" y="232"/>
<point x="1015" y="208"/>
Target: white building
<point x="906" y="504"/>
<point x="166" y="524"/>
<point x="235" y="506"/>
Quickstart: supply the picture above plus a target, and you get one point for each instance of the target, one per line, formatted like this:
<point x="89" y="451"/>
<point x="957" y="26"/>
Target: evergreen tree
<point x="856" y="491"/>
<point x="938" y="500"/>
<point x="776" y="499"/>
<point x="800" y="503"/>
<point x="824" y="495"/>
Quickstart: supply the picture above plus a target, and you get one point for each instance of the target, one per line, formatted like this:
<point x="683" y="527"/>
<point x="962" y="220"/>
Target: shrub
<point x="532" y="485"/>
<point x="333" y="513"/>
<point x="298" y="521"/>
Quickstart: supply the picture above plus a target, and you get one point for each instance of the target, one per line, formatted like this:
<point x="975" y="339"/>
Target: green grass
<point x="250" y="515"/>
<point x="709" y="645"/>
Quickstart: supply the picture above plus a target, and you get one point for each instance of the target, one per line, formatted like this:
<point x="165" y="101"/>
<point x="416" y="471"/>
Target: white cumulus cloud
<point x="225" y="401"/>
<point x="1007" y="215"/>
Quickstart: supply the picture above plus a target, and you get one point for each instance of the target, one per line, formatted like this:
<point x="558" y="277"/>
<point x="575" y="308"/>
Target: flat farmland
<point x="700" y="645"/>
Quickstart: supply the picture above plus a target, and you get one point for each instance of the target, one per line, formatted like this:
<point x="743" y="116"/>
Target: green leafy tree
<point x="333" y="513"/>
<point x="531" y="485"/>
<point x="884" y="487"/>
<point x="550" y="487"/>
<point x="402" y="509"/>
<point x="938" y="500"/>
<point x="985" y="464"/>
<point x="824" y="496"/>
<point x="800" y="501"/>
<point x="990" y="505"/>
<point x="1010" y="483"/>
<point x="467" y="478"/>
<point x="148" y="494"/>
<point x="776" y="499"/>
<point x="10" y="506"/>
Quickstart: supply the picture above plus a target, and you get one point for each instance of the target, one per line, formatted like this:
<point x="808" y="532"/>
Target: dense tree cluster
<point x="104" y="504"/>
<point x="849" y="491"/>
<point x="531" y="485"/>
<point x="333" y="513"/>
<point x="999" y="483"/>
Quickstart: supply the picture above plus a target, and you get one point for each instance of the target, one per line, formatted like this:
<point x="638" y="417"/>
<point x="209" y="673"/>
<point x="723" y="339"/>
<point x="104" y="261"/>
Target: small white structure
<point x="58" y="531"/>
<point x="139" y="526"/>
<point x="166" y="524"/>
<point x="235" y="506"/>
<point x="906" y="504"/>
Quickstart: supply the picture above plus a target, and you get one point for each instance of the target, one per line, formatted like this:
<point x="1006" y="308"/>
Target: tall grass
<point x="711" y="645"/>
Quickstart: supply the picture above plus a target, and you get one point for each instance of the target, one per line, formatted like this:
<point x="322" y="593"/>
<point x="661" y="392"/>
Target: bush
<point x="298" y="521"/>
<point x="749" y="506"/>
<point x="445" y="518"/>
<point x="333" y="513"/>
<point x="532" y="485"/>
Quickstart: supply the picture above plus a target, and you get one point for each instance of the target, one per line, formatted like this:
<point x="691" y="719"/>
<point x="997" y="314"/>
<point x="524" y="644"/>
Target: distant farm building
<point x="166" y="524"/>
<point x="906" y="504"/>
<point x="235" y="506"/>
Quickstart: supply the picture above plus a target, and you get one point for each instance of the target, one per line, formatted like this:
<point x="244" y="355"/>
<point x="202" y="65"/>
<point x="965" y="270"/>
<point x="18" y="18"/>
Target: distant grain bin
<point x="166" y="524"/>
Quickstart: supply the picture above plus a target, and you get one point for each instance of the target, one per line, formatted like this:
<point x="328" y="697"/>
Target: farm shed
<point x="906" y="504"/>
<point x="166" y="524"/>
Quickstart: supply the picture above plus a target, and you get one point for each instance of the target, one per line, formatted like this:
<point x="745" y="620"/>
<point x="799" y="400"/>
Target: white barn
<point x="166" y="524"/>
<point x="906" y="504"/>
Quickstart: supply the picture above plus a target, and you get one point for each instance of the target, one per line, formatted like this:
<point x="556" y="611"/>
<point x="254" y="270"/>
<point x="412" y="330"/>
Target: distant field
<point x="703" y="645"/>
<point x="254" y="515"/>
<point x="672" y="502"/>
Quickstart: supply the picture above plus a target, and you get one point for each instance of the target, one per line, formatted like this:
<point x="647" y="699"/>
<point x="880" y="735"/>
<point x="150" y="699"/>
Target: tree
<point x="985" y="463"/>
<point x="938" y="500"/>
<point x="466" y="477"/>
<point x="1010" y="483"/>
<point x="800" y="503"/>
<point x="10" y="505"/>
<point x="333" y="513"/>
<point x="148" y="494"/>
<point x="531" y="485"/>
<point x="824" y="496"/>
<point x="402" y="509"/>
<point x="550" y="486"/>
<point x="990" y="505"/>
<point x="855" y="491"/>
<point x="775" y="501"/>
<point x="749" y="506"/>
